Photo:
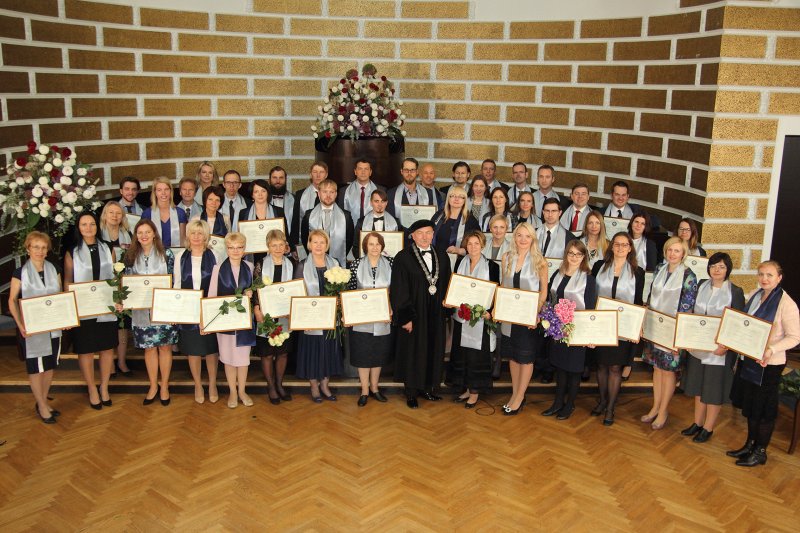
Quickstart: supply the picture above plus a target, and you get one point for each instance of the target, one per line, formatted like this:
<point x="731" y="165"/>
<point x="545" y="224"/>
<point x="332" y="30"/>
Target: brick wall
<point x="683" y="105"/>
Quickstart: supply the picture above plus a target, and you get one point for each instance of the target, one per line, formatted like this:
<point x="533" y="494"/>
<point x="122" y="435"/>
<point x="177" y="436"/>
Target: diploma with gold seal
<point x="594" y="328"/>
<point x="176" y="306"/>
<point x="93" y="298"/>
<point x="313" y="312"/>
<point x="141" y="289"/>
<point x="696" y="332"/>
<point x="630" y="317"/>
<point x="744" y="333"/>
<point x="366" y="306"/>
<point x="470" y="291"/>
<point x="255" y="231"/>
<point x="51" y="312"/>
<point x="276" y="299"/>
<point x="659" y="329"/>
<point x="515" y="306"/>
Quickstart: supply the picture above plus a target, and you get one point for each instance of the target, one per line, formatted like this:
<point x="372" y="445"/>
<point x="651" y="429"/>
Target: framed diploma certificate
<point x="141" y="287"/>
<point x="596" y="328"/>
<point x="552" y="265"/>
<point x="698" y="265"/>
<point x="615" y="225"/>
<point x="313" y="312"/>
<point x="696" y="332"/>
<point x="744" y="333"/>
<point x="411" y="213"/>
<point x="365" y="306"/>
<point x="471" y="291"/>
<point x="630" y="319"/>
<point x="255" y="231"/>
<point x="515" y="306"/>
<point x="394" y="241"/>
<point x="52" y="312"/>
<point x="213" y="321"/>
<point x="217" y="245"/>
<point x="93" y="298"/>
<point x="132" y="220"/>
<point x="659" y="329"/>
<point x="276" y="299"/>
<point x="176" y="306"/>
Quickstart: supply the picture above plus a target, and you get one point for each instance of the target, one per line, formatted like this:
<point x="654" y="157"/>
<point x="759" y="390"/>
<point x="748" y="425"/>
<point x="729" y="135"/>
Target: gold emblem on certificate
<point x="470" y="291"/>
<point x="696" y="332"/>
<point x="365" y="306"/>
<point x="176" y="306"/>
<point x="411" y="213"/>
<point x="141" y="289"/>
<point x="313" y="313"/>
<point x="515" y="306"/>
<point x="659" y="329"/>
<point x="93" y="298"/>
<point x="744" y="333"/>
<point x="275" y="299"/>
<point x="629" y="319"/>
<point x="594" y="328"/>
<point x="41" y="314"/>
<point x="255" y="231"/>
<point x="553" y="263"/>
<point x="698" y="265"/>
<point x="212" y="320"/>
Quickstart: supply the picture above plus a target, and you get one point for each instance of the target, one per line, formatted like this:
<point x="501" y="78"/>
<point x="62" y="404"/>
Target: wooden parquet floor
<point x="337" y="467"/>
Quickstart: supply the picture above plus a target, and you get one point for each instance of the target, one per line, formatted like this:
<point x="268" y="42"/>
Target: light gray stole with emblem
<point x="383" y="275"/>
<point x="472" y="336"/>
<point x="337" y="232"/>
<point x="712" y="303"/>
<point x="574" y="291"/>
<point x="174" y="225"/>
<point x="82" y="268"/>
<point x="626" y="284"/>
<point x="39" y="345"/>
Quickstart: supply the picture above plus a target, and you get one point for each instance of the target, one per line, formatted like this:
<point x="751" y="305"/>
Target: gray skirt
<point x="711" y="382"/>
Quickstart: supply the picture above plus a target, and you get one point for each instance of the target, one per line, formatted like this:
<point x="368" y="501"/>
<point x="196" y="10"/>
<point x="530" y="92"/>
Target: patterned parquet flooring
<point x="337" y="467"/>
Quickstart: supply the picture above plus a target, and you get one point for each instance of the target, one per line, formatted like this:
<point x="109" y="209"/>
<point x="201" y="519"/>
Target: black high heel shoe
<point x="148" y="401"/>
<point x="50" y="420"/>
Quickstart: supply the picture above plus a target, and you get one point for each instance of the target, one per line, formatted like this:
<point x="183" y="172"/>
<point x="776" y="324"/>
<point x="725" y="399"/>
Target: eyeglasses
<point x="718" y="266"/>
<point x="621" y="245"/>
<point x="235" y="248"/>
<point x="684" y="230"/>
<point x="574" y="254"/>
<point x="408" y="170"/>
<point x="231" y="182"/>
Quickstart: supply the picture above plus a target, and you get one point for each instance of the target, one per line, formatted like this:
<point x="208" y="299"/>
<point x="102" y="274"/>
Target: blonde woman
<point x="523" y="268"/>
<point x="498" y="245"/>
<point x="674" y="290"/>
<point x="169" y="221"/>
<point x="207" y="176"/>
<point x="234" y="346"/>
<point x="594" y="237"/>
<point x="115" y="232"/>
<point x="452" y="222"/>
<point x="37" y="277"/>
<point x="194" y="267"/>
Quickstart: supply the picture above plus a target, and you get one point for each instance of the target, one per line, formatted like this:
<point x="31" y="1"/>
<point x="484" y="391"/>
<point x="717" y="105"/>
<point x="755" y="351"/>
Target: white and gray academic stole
<point x="431" y="279"/>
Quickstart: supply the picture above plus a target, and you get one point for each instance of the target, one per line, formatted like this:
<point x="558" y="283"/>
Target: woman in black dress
<point x="452" y="222"/>
<point x="193" y="271"/>
<point x="115" y="232"/>
<point x="524" y="268"/>
<point x="318" y="357"/>
<point x="709" y="375"/>
<point x="260" y="209"/>
<point x="92" y="260"/>
<point x="278" y="268"/>
<point x="37" y="277"/>
<point x="619" y="277"/>
<point x="371" y="344"/>
<point x="573" y="281"/>
<point x="471" y="354"/>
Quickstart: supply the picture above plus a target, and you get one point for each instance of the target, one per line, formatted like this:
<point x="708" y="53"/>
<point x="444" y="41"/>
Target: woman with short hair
<point x="218" y="223"/>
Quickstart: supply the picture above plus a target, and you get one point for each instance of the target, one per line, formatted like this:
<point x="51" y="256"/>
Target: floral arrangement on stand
<point x="269" y="326"/>
<point x="473" y="313"/>
<point x="557" y="321"/>
<point x="360" y="106"/>
<point x="336" y="280"/>
<point x="45" y="191"/>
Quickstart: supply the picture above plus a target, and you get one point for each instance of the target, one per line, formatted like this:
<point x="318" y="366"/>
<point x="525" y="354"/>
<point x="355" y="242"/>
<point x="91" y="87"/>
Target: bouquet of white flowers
<point x="336" y="279"/>
<point x="45" y="191"/>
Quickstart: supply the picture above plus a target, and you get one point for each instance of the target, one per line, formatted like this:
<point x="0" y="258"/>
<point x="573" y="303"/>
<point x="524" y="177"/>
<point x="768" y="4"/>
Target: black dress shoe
<point x="744" y="451"/>
<point x="362" y="400"/>
<point x="599" y="409"/>
<point x="553" y="409"/>
<point x="412" y="403"/>
<point x="431" y="397"/>
<point x="459" y="399"/>
<point x="330" y="397"/>
<point x="565" y="412"/>
<point x="55" y="412"/>
<point x="285" y="396"/>
<point x="757" y="457"/>
<point x="702" y="436"/>
<point x="96" y="406"/>
<point x="468" y="405"/>
<point x="609" y="419"/>
<point x="692" y="430"/>
<point x="107" y="403"/>
<point x="316" y="399"/>
<point x="49" y="420"/>
<point x="274" y="401"/>
<point x="165" y="402"/>
<point x="148" y="401"/>
<point x="378" y="395"/>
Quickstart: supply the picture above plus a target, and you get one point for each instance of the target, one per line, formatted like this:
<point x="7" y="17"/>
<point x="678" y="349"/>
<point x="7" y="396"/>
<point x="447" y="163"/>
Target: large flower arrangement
<point x="45" y="191"/>
<point x="557" y="321"/>
<point x="360" y="106"/>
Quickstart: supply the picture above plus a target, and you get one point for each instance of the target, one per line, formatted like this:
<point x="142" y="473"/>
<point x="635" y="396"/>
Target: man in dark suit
<point x="409" y="192"/>
<point x="233" y="203"/>
<point x="378" y="219"/>
<point x="427" y="178"/>
<point x="619" y="206"/>
<point x="305" y="200"/>
<point x="129" y="189"/>
<point x="488" y="171"/>
<point x="354" y="197"/>
<point x="545" y="178"/>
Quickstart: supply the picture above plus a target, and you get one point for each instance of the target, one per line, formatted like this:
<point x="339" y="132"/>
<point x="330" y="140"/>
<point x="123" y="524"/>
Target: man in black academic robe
<point x="419" y="315"/>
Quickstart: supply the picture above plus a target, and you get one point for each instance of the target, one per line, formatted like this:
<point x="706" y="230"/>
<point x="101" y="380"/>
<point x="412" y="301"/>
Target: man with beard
<point x="461" y="174"/>
<point x="306" y="199"/>
<point x="420" y="276"/>
<point x="278" y="195"/>
<point x="408" y="193"/>
<point x="333" y="220"/>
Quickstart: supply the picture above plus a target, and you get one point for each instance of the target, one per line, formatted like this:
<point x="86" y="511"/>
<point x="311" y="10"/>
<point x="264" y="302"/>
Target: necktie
<point x="326" y="218"/>
<point x="361" y="209"/>
<point x="546" y="243"/>
<point x="129" y="208"/>
<point x="619" y="213"/>
<point x="230" y="210"/>
<point x="574" y="224"/>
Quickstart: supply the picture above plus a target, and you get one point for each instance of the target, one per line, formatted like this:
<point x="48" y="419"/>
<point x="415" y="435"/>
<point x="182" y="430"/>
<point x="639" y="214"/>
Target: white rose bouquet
<point x="39" y="193"/>
<point x="336" y="280"/>
<point x="120" y="293"/>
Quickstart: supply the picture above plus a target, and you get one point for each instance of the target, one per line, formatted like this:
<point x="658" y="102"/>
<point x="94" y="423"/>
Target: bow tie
<point x="377" y="218"/>
<point x="423" y="252"/>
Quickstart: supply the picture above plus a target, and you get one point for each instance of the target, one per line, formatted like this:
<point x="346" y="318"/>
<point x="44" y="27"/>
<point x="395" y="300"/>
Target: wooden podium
<point x="385" y="155"/>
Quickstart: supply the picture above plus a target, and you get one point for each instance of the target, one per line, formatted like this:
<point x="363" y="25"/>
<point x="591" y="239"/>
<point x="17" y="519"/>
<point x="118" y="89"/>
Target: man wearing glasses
<point x="409" y="193"/>
<point x="233" y="202"/>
